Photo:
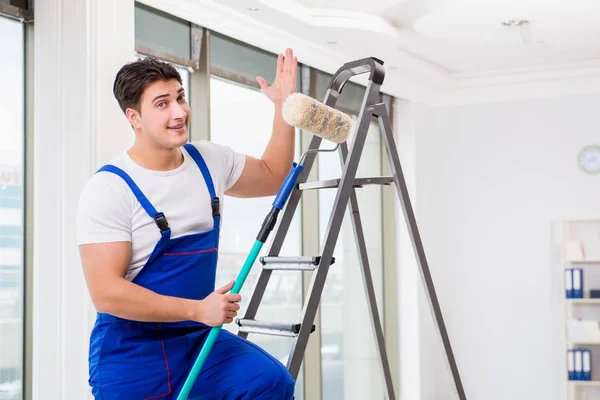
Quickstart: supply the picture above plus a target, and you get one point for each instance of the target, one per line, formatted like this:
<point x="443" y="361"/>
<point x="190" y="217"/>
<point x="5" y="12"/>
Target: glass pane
<point x="11" y="209"/>
<point x="349" y="360"/>
<point x="351" y="97"/>
<point x="161" y="31"/>
<point x="241" y="59"/>
<point x="242" y="118"/>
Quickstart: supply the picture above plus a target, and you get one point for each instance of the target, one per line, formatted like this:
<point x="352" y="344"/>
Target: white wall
<point x="489" y="180"/>
<point x="79" y="47"/>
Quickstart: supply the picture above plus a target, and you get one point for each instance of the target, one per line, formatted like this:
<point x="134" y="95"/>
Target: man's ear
<point x="134" y="118"/>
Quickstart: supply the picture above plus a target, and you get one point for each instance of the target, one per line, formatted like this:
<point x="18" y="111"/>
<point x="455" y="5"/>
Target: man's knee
<point x="277" y="382"/>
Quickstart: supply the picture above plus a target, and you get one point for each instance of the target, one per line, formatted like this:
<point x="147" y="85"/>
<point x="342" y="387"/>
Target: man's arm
<point x="105" y="265"/>
<point x="264" y="176"/>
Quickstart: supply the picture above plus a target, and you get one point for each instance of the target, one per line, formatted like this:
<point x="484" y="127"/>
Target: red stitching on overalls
<point x="187" y="253"/>
<point x="162" y="342"/>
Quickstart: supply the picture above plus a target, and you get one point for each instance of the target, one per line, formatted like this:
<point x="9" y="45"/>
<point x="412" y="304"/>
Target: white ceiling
<point x="458" y="36"/>
<point x="443" y="44"/>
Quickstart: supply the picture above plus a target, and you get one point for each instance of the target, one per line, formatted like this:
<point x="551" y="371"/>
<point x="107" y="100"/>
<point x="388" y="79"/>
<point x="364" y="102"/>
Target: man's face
<point x="165" y="115"/>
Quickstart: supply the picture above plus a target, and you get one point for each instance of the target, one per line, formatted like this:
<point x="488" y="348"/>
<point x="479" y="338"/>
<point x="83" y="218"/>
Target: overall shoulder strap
<point x="195" y="154"/>
<point x="159" y="217"/>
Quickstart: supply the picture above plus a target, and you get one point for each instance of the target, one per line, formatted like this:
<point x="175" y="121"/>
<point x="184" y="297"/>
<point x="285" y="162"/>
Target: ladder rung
<point x="269" y="328"/>
<point x="302" y="263"/>
<point x="358" y="182"/>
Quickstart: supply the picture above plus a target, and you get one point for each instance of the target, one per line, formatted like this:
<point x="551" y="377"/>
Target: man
<point x="148" y="231"/>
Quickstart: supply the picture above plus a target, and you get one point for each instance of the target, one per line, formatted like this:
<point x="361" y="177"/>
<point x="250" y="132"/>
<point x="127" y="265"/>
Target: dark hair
<point x="133" y="78"/>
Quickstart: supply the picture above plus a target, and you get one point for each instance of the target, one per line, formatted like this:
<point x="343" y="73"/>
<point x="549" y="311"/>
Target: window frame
<point x="29" y="215"/>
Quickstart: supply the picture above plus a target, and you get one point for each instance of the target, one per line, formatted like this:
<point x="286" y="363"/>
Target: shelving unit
<point x="583" y="301"/>
<point x="585" y="383"/>
<point x="580" y="249"/>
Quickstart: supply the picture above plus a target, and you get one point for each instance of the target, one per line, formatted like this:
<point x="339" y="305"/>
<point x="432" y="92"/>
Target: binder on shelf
<point x="569" y="283"/>
<point x="571" y="364"/>
<point x="586" y="365"/>
<point x="577" y="283"/>
<point x="578" y="365"/>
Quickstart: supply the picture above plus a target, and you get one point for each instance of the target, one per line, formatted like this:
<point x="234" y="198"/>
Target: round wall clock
<point x="589" y="159"/>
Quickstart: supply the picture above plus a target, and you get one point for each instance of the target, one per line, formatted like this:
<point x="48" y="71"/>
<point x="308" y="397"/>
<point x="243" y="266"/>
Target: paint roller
<point x="306" y="113"/>
<point x="302" y="112"/>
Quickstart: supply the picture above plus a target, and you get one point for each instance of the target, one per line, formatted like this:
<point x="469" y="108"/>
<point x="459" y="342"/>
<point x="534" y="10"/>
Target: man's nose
<point x="178" y="112"/>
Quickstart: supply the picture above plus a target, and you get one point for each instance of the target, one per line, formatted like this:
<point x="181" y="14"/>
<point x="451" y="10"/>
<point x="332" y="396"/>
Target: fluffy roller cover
<point x="306" y="113"/>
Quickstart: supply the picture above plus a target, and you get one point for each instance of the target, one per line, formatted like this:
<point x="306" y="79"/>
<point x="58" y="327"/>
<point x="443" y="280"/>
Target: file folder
<point x="586" y="365"/>
<point x="577" y="283"/>
<point x="578" y="365"/>
<point x="569" y="283"/>
<point x="571" y="364"/>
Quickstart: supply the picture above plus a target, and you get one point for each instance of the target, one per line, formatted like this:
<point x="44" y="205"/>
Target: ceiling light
<point x="524" y="28"/>
<point x="515" y="22"/>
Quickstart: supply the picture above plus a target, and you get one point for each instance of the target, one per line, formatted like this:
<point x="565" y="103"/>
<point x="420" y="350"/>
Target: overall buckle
<point x="215" y="207"/>
<point x="161" y="222"/>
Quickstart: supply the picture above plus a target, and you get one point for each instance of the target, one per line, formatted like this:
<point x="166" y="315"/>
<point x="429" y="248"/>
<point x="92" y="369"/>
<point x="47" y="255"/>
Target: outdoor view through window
<point x="11" y="208"/>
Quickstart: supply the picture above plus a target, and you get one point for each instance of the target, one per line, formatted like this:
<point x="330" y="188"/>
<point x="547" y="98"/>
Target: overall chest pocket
<point x="188" y="272"/>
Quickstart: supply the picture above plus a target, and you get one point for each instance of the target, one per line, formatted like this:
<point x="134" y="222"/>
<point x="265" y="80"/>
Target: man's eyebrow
<point x="159" y="96"/>
<point x="181" y="90"/>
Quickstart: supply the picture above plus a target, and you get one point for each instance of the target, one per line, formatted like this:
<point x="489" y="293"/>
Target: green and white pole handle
<point x="267" y="227"/>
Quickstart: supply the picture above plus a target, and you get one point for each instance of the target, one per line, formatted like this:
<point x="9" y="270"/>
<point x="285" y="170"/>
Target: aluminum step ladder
<point x="345" y="195"/>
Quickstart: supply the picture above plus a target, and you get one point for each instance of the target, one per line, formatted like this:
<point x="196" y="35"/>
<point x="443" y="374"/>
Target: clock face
<point x="589" y="159"/>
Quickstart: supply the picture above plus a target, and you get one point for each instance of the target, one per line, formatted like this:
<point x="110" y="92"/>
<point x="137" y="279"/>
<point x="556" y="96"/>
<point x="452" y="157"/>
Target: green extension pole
<point x="267" y="227"/>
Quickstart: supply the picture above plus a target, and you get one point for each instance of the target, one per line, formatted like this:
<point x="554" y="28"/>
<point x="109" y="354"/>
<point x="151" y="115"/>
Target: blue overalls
<point x="132" y="360"/>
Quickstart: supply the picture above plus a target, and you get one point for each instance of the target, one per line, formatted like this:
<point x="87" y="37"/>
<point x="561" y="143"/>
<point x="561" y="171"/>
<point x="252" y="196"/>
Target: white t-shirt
<point x="108" y="210"/>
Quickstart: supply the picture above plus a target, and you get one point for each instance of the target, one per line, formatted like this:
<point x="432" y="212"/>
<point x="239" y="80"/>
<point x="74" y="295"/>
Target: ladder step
<point x="358" y="182"/>
<point x="269" y="328"/>
<point x="302" y="263"/>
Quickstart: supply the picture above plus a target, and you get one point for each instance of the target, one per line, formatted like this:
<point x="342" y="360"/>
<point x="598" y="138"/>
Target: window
<point x="229" y="57"/>
<point x="165" y="36"/>
<point x="162" y="32"/>
<point x="242" y="118"/>
<point x="12" y="109"/>
<point x="349" y="360"/>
